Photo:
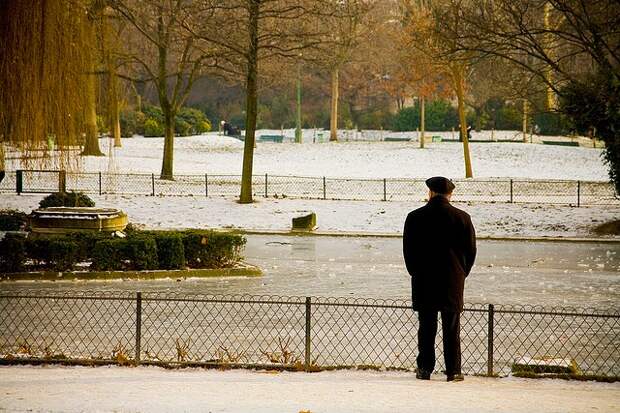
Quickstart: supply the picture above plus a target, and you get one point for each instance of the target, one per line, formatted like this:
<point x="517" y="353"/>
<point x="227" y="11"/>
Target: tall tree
<point x="431" y="38"/>
<point x="167" y="53"/>
<point x="346" y="29"/>
<point x="258" y="31"/>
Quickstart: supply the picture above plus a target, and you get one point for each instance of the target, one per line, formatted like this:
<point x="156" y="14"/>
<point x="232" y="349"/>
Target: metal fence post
<point x="19" y="181"/>
<point x="206" y="185"/>
<point x="490" y="337"/>
<point x="138" y="326"/>
<point x="324" y="188"/>
<point x="384" y="189"/>
<point x="266" y="183"/>
<point x="62" y="181"/>
<point x="578" y="193"/>
<point x="152" y="184"/>
<point x="511" y="191"/>
<point x="308" y="342"/>
<point x="99" y="183"/>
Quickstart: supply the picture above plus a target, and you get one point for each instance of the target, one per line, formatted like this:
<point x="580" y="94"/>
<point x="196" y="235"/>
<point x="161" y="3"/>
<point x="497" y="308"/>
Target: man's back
<point x="439" y="247"/>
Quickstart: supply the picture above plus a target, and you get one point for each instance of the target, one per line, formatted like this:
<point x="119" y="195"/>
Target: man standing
<point x="439" y="246"/>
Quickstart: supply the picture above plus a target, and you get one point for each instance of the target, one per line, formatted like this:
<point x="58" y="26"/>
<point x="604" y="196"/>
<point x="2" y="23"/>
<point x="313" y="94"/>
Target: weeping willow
<point x="46" y="63"/>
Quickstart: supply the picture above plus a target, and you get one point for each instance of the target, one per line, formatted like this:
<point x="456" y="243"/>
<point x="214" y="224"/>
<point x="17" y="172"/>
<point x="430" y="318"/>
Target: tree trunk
<point x="167" y="164"/>
<point x="91" y="143"/>
<point x="548" y="49"/>
<point x="115" y="122"/>
<point x="298" y="119"/>
<point x="250" y="105"/>
<point x="457" y="72"/>
<point x="333" y="123"/>
<point x="422" y="119"/>
<point x="524" y="121"/>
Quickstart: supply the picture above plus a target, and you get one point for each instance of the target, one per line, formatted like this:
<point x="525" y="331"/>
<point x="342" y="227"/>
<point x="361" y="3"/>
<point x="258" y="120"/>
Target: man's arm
<point x="409" y="244"/>
<point x="470" y="245"/>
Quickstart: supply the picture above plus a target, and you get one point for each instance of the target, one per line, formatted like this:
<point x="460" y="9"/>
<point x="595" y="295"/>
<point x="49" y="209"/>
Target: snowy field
<point x="498" y="220"/>
<point x="214" y="154"/>
<point x="144" y="389"/>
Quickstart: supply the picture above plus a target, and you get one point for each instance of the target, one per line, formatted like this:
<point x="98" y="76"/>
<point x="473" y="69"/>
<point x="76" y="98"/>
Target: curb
<point x="245" y="271"/>
<point x="248" y="231"/>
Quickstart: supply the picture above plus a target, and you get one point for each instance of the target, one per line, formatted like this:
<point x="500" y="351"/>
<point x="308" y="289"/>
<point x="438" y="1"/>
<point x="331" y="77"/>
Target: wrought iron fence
<point x="302" y="333"/>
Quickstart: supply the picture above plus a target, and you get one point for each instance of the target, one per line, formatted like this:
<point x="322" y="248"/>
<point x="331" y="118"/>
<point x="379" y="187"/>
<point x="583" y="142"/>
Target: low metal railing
<point x="303" y="333"/>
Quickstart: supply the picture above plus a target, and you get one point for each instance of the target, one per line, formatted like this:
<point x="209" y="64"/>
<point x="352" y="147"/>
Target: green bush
<point x="109" y="254"/>
<point x="142" y="252"/>
<point x="12" y="253"/>
<point x="439" y="116"/>
<point x="66" y="199"/>
<point x="191" y="121"/>
<point x="57" y="253"/>
<point x="508" y="118"/>
<point x="86" y="241"/>
<point x="182" y="128"/>
<point x="153" y="128"/>
<point x="12" y="220"/>
<point x="132" y="123"/>
<point x="170" y="251"/>
<point x="209" y="249"/>
<point x="551" y="123"/>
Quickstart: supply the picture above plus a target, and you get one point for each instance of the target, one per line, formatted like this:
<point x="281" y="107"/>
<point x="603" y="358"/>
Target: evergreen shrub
<point x="109" y="254"/>
<point x="170" y="251"/>
<point x="209" y="249"/>
<point x="66" y="199"/>
<point x="12" y="220"/>
<point x="57" y="253"/>
<point x="12" y="253"/>
<point x="142" y="252"/>
<point x="153" y="128"/>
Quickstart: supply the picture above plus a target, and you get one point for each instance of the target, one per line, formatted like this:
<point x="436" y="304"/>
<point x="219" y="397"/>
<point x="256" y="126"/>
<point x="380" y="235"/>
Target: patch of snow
<point x="150" y="389"/>
<point x="214" y="154"/>
<point x="347" y="216"/>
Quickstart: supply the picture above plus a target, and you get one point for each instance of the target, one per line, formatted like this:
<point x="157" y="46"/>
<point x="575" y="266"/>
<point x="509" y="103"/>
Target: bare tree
<point x="429" y="37"/>
<point x="346" y="29"/>
<point x="167" y="53"/>
<point x="257" y="31"/>
<point x="571" y="46"/>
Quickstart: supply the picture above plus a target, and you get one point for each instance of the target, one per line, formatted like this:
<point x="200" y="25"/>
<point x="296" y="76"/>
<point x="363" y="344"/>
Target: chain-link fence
<point x="498" y="190"/>
<point x="292" y="332"/>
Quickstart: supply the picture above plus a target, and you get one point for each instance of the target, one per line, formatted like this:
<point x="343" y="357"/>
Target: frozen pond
<point x="506" y="272"/>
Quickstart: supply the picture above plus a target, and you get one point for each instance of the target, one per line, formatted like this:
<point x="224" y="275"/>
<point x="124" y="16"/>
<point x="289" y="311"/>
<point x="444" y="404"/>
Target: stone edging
<point x="243" y="270"/>
<point x="245" y="231"/>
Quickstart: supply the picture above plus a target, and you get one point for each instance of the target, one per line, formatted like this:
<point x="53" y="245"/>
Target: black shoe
<point x="422" y="375"/>
<point x="455" y="377"/>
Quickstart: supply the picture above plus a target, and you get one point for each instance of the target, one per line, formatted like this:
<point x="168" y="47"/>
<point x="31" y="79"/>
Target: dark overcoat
<point x="439" y="246"/>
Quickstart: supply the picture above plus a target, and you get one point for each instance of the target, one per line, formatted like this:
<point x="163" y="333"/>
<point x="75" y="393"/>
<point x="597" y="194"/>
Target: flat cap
<point x="440" y="185"/>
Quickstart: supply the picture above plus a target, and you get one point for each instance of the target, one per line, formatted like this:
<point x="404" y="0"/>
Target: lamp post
<point x="298" y="120"/>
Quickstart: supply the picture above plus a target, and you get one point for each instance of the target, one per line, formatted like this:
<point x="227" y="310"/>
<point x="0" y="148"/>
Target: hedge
<point x="141" y="250"/>
<point x="59" y="253"/>
<point x="12" y="220"/>
<point x="170" y="251"/>
<point x="12" y="253"/>
<point x="66" y="199"/>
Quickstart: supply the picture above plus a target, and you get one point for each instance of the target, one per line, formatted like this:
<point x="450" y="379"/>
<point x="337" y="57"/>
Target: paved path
<point x="118" y="389"/>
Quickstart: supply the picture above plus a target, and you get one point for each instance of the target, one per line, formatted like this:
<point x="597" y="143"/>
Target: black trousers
<point x="427" y="331"/>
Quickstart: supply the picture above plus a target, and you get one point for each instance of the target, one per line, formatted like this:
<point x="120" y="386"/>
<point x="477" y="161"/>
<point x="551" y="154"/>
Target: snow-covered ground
<point x="149" y="389"/>
<point x="214" y="154"/>
<point x="341" y="216"/>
